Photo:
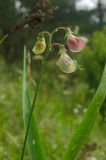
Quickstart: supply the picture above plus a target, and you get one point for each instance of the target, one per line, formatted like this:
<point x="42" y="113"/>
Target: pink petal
<point x="76" y="44"/>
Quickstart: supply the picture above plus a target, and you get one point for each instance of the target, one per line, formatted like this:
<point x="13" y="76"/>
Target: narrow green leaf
<point x="2" y="39"/>
<point x="86" y="126"/>
<point x="35" y="146"/>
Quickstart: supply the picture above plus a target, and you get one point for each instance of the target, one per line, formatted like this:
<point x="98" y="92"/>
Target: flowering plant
<point x="67" y="65"/>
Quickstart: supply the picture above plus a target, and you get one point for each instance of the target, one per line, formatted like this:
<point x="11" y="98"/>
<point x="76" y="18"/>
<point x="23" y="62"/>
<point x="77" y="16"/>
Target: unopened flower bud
<point x="40" y="46"/>
<point x="65" y="63"/>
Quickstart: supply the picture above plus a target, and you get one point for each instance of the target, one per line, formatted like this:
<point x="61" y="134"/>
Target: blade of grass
<point x="35" y="146"/>
<point x="2" y="39"/>
<point x="86" y="126"/>
<point x="35" y="96"/>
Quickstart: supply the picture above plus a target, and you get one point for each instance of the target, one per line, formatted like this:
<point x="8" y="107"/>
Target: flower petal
<point x="66" y="64"/>
<point x="76" y="44"/>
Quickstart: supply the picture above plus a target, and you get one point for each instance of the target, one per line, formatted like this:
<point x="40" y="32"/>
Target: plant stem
<point x="84" y="129"/>
<point x="35" y="96"/>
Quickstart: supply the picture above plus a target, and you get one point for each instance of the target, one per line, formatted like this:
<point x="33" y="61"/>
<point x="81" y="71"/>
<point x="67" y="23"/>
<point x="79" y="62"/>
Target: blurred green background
<point x="63" y="98"/>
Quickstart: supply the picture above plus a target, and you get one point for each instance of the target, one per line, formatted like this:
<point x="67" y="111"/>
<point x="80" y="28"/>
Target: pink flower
<point x="76" y="44"/>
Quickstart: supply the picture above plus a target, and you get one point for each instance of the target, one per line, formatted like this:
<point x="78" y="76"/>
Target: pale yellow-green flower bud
<point x="40" y="46"/>
<point x="65" y="63"/>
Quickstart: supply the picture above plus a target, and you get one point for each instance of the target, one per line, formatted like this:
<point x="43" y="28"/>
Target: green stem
<point x="35" y="96"/>
<point x="88" y="121"/>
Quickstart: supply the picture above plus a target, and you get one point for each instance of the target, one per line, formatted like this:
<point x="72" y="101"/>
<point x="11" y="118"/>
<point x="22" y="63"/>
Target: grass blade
<point x="35" y="146"/>
<point x="86" y="126"/>
<point x="35" y="96"/>
<point x="3" y="39"/>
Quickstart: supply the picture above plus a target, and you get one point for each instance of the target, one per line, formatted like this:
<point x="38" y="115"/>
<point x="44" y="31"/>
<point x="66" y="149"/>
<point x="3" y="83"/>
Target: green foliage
<point x="93" y="60"/>
<point x="86" y="126"/>
<point x="94" y="56"/>
<point x="10" y="89"/>
<point x="35" y="145"/>
<point x="60" y="99"/>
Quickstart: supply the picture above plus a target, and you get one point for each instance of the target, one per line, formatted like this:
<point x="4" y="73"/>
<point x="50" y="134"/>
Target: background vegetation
<point x="63" y="98"/>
